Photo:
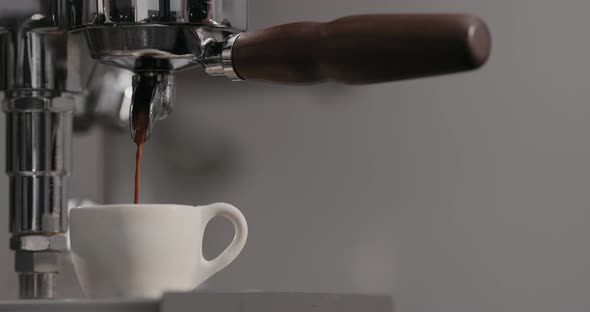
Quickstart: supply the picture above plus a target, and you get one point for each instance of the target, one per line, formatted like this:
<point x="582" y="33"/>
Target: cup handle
<point x="241" y="234"/>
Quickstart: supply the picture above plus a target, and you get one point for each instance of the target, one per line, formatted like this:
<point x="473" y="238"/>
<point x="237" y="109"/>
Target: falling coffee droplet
<point x="137" y="172"/>
<point x="140" y="139"/>
<point x="140" y="124"/>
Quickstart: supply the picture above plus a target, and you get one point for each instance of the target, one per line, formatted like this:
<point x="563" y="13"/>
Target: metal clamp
<point x="226" y="59"/>
<point x="219" y="62"/>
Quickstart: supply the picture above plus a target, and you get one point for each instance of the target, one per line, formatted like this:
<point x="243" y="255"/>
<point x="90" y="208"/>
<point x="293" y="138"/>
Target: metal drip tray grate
<point x="80" y="305"/>
<point x="214" y="302"/>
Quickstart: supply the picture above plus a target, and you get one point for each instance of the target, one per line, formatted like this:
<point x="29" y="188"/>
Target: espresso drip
<point x="140" y="115"/>
<point x="137" y="172"/>
<point x="140" y="138"/>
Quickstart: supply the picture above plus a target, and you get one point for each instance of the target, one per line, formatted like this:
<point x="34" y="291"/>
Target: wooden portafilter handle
<point x="363" y="49"/>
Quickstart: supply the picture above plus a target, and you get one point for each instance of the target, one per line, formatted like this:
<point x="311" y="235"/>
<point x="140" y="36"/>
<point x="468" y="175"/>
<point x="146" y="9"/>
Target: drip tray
<point x="214" y="302"/>
<point x="80" y="305"/>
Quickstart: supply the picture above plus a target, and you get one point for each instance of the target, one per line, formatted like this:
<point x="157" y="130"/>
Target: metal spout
<point x="153" y="97"/>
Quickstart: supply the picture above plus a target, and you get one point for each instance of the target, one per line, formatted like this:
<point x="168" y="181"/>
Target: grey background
<point x="463" y="193"/>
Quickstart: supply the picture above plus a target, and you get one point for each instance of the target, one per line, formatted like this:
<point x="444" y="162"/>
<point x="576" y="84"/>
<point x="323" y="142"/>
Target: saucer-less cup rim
<point x="139" y="207"/>
<point x="208" y="212"/>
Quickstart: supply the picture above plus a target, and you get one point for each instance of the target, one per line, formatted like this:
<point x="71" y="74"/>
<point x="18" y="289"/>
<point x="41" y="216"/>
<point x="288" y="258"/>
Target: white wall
<point x="463" y="193"/>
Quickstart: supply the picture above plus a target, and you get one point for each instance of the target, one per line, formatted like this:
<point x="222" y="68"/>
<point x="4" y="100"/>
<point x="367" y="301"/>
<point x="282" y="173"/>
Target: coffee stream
<point x="140" y="115"/>
<point x="137" y="172"/>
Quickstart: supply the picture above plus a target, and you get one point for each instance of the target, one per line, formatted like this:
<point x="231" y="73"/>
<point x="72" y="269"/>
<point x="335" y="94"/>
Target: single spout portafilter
<point x="360" y="49"/>
<point x="152" y="92"/>
<point x="47" y="81"/>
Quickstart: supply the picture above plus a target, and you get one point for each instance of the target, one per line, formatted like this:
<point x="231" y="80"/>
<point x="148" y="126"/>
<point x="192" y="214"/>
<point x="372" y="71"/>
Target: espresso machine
<point x="66" y="64"/>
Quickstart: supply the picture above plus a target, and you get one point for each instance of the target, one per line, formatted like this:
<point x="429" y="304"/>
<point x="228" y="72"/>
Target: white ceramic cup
<point x="145" y="250"/>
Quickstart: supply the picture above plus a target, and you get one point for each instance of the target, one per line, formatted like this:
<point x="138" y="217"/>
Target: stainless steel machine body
<point x="38" y="106"/>
<point x="44" y="76"/>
